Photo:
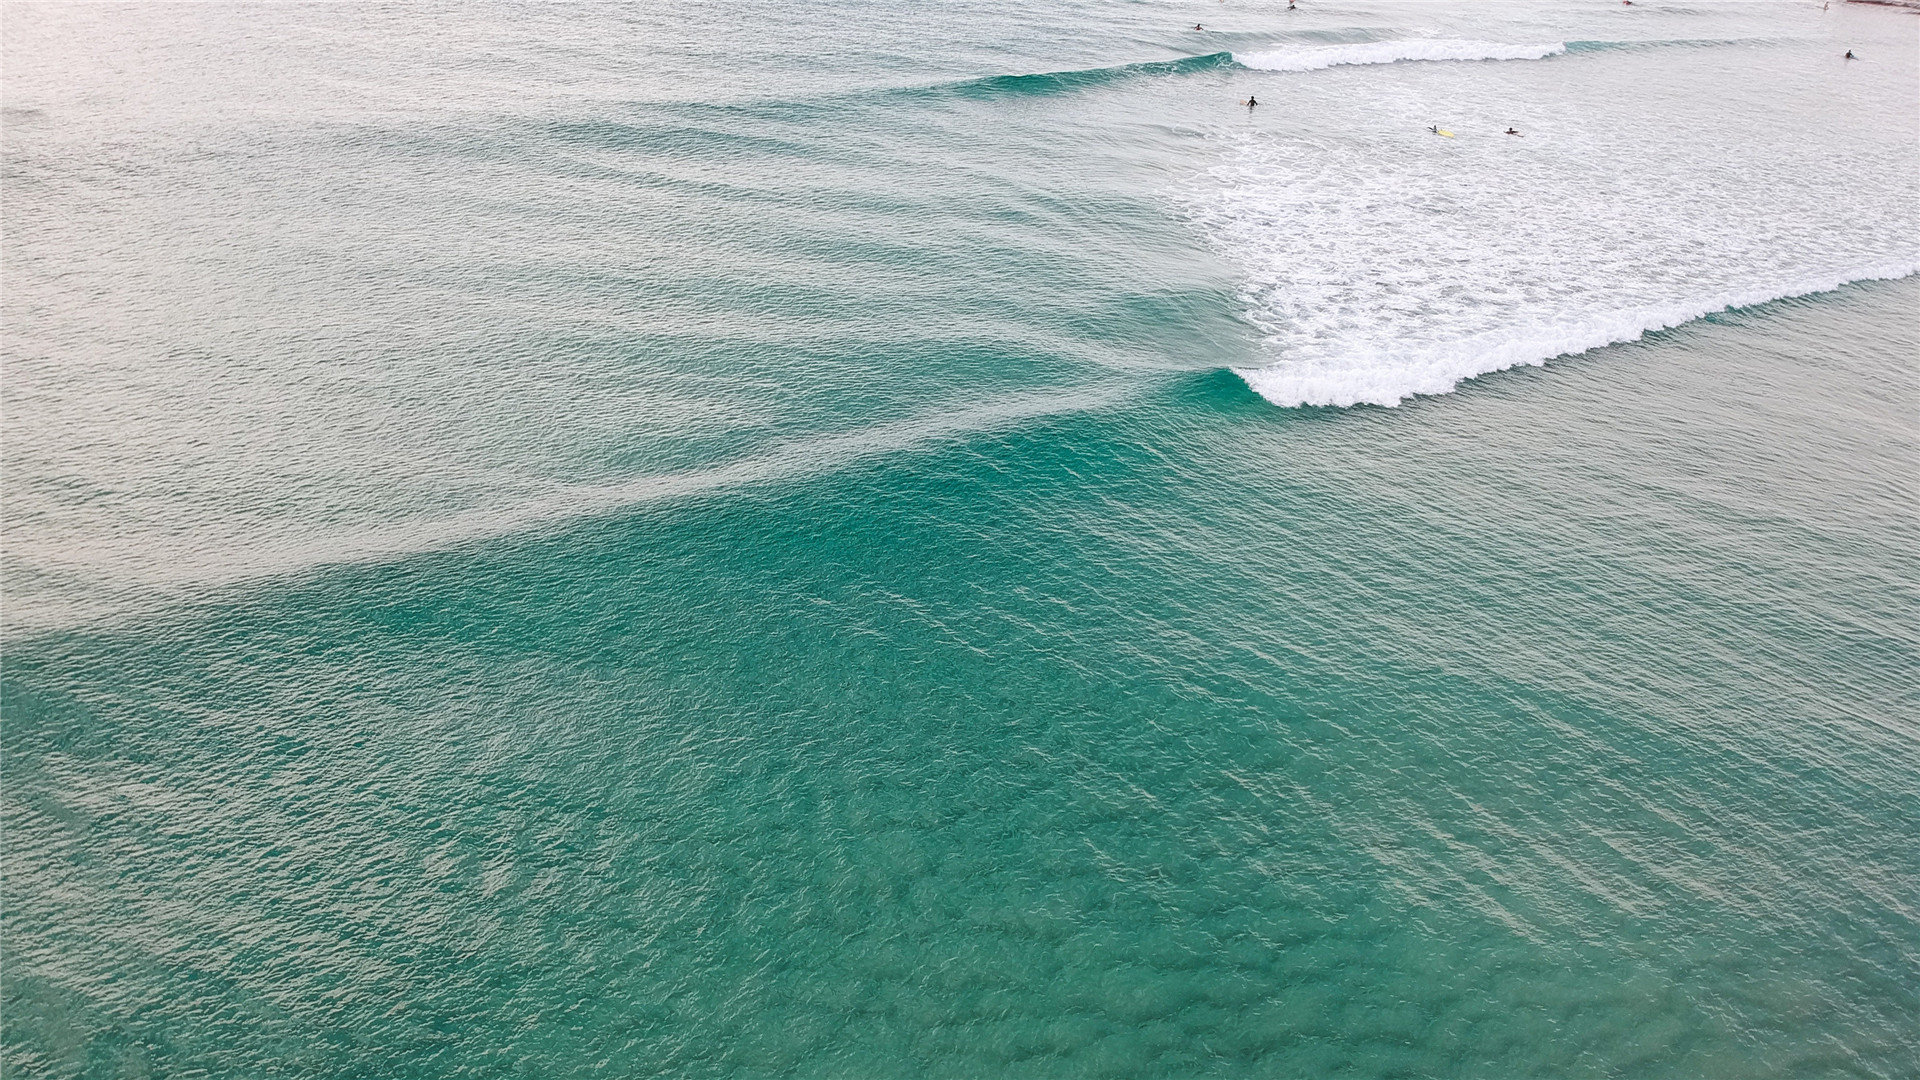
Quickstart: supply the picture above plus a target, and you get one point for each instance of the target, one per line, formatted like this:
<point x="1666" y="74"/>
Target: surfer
<point x="1850" y="55"/>
<point x="1435" y="129"/>
<point x="1510" y="131"/>
<point x="1197" y="26"/>
<point x="1250" y="102"/>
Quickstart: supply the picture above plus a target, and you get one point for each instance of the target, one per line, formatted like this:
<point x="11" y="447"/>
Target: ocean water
<point x="821" y="540"/>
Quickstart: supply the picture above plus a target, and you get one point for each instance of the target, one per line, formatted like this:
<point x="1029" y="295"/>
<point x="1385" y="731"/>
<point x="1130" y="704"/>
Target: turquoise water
<point x="578" y="541"/>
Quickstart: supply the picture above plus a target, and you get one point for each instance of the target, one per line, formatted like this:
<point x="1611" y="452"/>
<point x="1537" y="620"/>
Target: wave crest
<point x="1389" y="376"/>
<point x="1059" y="81"/>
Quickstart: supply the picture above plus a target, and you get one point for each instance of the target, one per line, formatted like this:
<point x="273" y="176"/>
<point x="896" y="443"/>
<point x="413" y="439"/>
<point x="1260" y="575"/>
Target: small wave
<point x="1317" y="57"/>
<point x="1057" y="81"/>
<point x="1391" y="376"/>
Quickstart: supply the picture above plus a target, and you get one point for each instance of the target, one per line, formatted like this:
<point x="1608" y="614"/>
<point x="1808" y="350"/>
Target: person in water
<point x="1197" y="26"/>
<point x="1250" y="102"/>
<point x="1435" y="129"/>
<point x="1850" y="55"/>
<point x="1510" y="131"/>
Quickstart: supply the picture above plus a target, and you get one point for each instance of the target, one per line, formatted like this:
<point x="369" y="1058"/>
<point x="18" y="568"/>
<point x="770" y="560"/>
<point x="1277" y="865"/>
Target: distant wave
<point x="1393" y="376"/>
<point x="1057" y="81"/>
<point x="1280" y="58"/>
<point x="1679" y="43"/>
<point x="1317" y="57"/>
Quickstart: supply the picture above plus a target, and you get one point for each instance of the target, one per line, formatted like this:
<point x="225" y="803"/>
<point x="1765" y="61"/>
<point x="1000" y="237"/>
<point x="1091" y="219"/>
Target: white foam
<point x="1380" y="261"/>
<point x="1389" y="376"/>
<point x="1317" y="57"/>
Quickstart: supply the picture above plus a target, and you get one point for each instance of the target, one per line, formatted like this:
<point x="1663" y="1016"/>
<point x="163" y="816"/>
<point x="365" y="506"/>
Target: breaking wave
<point x="1289" y="57"/>
<point x="1388" y="376"/>
<point x="1378" y="262"/>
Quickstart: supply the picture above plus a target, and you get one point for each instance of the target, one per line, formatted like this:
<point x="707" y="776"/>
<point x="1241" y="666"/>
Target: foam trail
<point x="1388" y="377"/>
<point x="147" y="573"/>
<point x="1317" y="57"/>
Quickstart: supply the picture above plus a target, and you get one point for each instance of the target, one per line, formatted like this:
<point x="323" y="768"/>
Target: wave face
<point x="1318" y="57"/>
<point x="709" y="547"/>
<point x="1054" y="82"/>
<point x="1645" y="189"/>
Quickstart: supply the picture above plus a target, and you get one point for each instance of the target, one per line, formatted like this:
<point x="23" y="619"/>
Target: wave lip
<point x="1387" y="377"/>
<point x="1318" y="57"/>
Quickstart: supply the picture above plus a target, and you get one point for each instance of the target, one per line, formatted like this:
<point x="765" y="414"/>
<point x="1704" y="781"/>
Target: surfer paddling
<point x="1510" y="131"/>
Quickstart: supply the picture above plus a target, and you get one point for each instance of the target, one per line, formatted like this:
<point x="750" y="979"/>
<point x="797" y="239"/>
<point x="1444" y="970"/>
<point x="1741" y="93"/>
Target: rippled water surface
<point x="812" y="540"/>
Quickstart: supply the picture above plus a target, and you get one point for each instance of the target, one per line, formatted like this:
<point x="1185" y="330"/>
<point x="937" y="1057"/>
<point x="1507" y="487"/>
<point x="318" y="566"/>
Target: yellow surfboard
<point x="1444" y="131"/>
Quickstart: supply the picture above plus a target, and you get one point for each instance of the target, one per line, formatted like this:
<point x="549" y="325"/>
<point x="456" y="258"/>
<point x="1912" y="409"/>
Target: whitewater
<point x="1640" y="190"/>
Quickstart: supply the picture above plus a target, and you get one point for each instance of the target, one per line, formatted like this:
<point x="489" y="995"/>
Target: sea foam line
<point x="1388" y="377"/>
<point x="1317" y="57"/>
<point x="153" y="573"/>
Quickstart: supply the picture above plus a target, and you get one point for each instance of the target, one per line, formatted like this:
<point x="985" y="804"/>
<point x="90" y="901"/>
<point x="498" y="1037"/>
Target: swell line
<point x="1052" y="82"/>
<point x="1268" y="57"/>
<point x="1320" y="57"/>
<point x="154" y="572"/>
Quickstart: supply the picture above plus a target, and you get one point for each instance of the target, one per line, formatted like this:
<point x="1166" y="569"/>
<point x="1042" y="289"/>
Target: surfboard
<point x="1444" y="131"/>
